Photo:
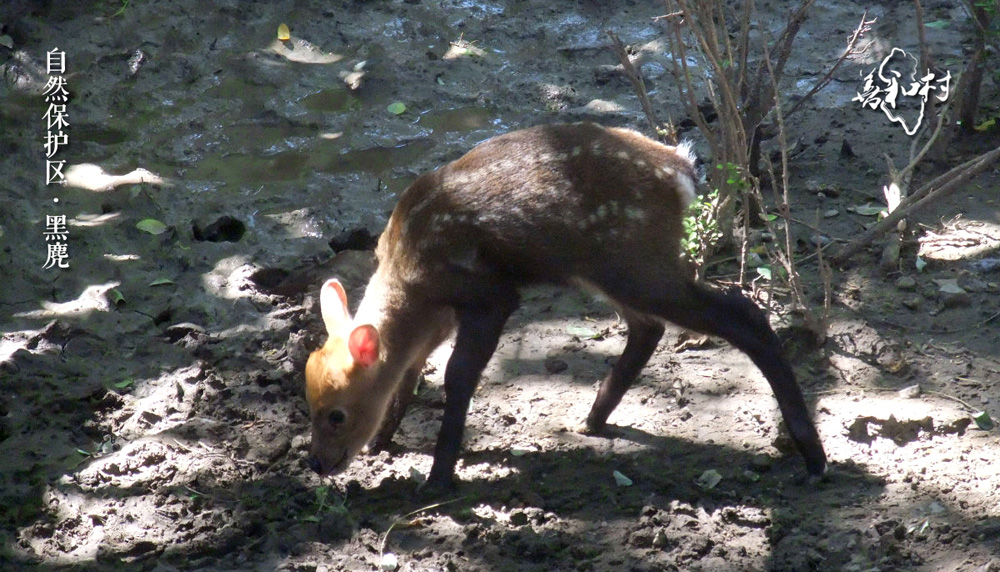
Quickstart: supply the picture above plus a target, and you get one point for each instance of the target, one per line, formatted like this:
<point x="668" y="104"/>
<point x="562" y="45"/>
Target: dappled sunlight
<point x="303" y="52"/>
<point x="299" y="223"/>
<point x="92" y="177"/>
<point x="960" y="239"/>
<point x="87" y="220"/>
<point x="92" y="299"/>
<point x="461" y="48"/>
<point x="230" y="278"/>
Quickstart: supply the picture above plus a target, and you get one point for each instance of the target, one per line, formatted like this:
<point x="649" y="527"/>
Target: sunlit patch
<point x="92" y="220"/>
<point x="93" y="178"/>
<point x="303" y="52"/>
<point x="122" y="257"/>
<point x="961" y="239"/>
<point x="93" y="298"/>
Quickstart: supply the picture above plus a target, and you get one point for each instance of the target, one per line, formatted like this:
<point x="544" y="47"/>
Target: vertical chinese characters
<point x="56" y="137"/>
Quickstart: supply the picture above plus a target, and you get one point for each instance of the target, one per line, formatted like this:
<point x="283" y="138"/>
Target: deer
<point x="600" y="208"/>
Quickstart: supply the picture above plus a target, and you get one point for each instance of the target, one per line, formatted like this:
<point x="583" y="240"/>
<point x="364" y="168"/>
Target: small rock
<point x="912" y="302"/>
<point x="178" y="331"/>
<point x="906" y="283"/>
<point x="951" y="294"/>
<point x="973" y="284"/>
<point x="910" y="392"/>
<point x="660" y="539"/>
<point x="819" y="240"/>
<point x="830" y="213"/>
<point x="761" y="463"/>
<point x="553" y="365"/>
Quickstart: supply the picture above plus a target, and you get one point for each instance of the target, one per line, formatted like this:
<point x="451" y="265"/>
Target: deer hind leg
<point x="739" y="321"/>
<point x="644" y="333"/>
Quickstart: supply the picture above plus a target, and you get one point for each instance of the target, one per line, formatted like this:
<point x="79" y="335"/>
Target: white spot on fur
<point x="622" y="155"/>
<point x="635" y="213"/>
<point x="576" y="151"/>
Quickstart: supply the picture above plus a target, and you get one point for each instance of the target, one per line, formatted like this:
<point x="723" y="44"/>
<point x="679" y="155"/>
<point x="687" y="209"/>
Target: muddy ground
<point x="151" y="406"/>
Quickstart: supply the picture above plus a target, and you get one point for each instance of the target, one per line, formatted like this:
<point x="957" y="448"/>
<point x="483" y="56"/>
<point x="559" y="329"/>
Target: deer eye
<point x="336" y="417"/>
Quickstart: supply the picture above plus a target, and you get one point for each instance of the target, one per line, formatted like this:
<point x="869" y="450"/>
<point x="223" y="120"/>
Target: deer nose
<point x="316" y="465"/>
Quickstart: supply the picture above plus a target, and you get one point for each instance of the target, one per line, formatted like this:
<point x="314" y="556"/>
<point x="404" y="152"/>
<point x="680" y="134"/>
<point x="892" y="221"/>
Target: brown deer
<point x="580" y="204"/>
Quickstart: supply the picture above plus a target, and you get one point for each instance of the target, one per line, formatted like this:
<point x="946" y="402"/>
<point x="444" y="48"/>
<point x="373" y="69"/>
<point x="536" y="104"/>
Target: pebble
<point x="952" y="295"/>
<point x="906" y="283"/>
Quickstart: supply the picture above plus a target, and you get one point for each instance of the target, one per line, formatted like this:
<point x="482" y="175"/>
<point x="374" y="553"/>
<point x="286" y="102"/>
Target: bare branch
<point x="637" y="83"/>
<point x="850" y="51"/>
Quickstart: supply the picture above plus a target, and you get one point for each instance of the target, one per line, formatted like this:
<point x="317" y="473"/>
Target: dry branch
<point x="637" y="83"/>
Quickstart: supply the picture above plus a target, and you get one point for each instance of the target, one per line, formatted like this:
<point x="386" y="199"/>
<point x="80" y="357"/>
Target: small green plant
<point x="322" y="507"/>
<point x="122" y="9"/>
<point x="701" y="228"/>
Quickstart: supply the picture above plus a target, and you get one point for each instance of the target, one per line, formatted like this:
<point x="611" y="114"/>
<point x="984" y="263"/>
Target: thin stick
<point x="864" y="26"/>
<point x="402" y="519"/>
<point x="637" y="83"/>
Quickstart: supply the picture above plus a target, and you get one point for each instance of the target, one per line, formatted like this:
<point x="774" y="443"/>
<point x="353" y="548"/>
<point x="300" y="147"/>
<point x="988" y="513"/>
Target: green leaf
<point x="920" y="264"/>
<point x="7" y="42"/>
<point x="765" y="272"/>
<point x="983" y="420"/>
<point x="116" y="297"/>
<point x="396" y="108"/>
<point x="621" y="480"/>
<point x="151" y="225"/>
<point x="868" y="209"/>
<point x="161" y="282"/>
<point x="708" y="480"/>
<point x="123" y="384"/>
<point x="581" y="332"/>
<point x="937" y="24"/>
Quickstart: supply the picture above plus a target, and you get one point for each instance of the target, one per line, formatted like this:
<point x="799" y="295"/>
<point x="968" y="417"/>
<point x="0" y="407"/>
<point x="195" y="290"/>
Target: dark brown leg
<point x="397" y="409"/>
<point x="740" y="322"/>
<point x="644" y="333"/>
<point x="479" y="327"/>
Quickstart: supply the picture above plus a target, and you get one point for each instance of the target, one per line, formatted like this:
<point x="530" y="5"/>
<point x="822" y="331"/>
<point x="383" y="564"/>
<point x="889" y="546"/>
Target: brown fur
<point x="563" y="203"/>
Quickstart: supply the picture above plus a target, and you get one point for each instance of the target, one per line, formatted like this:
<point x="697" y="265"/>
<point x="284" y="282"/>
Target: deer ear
<point x="363" y="345"/>
<point x="333" y="306"/>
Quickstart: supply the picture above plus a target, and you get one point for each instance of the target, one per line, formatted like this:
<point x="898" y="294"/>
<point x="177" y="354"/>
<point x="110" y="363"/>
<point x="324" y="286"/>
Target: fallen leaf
<point x="151" y="225"/>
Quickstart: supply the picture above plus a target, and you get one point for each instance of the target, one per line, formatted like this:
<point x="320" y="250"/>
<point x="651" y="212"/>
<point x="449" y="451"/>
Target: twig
<point x="402" y="519"/>
<point x="864" y="26"/>
<point x="815" y="325"/>
<point x="951" y="397"/>
<point x="637" y="83"/>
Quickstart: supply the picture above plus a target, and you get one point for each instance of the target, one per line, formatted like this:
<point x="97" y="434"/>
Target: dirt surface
<point x="151" y="406"/>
